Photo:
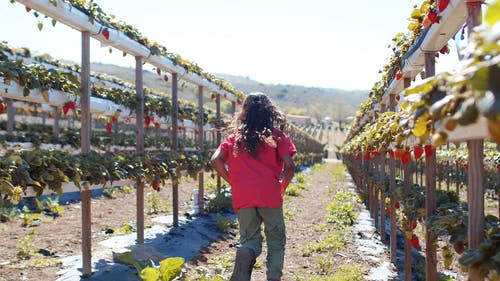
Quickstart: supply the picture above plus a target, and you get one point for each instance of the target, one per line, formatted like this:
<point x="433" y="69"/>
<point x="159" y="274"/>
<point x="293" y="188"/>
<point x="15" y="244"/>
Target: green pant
<point x="274" y="229"/>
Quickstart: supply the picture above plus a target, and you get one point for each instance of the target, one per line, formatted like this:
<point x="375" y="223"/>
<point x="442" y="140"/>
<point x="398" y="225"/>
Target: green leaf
<point x="492" y="15"/>
<point x="480" y="79"/>
<point x="150" y="274"/>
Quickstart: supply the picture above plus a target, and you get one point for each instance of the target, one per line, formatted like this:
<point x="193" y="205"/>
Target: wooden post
<point x="475" y="189"/>
<point x="218" y="134"/>
<point x="139" y="147"/>
<point x="11" y="115"/>
<point x="201" y="112"/>
<point x="382" y="194"/>
<point x="407" y="248"/>
<point x="408" y="175"/>
<point x="233" y="109"/>
<point x="56" y="121"/>
<point x="392" y="188"/>
<point x="85" y="142"/>
<point x="175" y="146"/>
<point x="430" y="191"/>
<point x="376" y="168"/>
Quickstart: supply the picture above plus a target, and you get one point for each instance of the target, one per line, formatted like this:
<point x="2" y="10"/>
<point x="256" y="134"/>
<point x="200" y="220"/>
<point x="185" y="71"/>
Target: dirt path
<point x="312" y="249"/>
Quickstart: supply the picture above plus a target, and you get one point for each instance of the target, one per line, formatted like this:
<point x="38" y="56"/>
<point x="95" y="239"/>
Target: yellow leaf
<point x="492" y="15"/>
<point x="150" y="274"/>
<point x="420" y="127"/>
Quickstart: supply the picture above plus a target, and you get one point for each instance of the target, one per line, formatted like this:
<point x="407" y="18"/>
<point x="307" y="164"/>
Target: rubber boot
<point x="243" y="265"/>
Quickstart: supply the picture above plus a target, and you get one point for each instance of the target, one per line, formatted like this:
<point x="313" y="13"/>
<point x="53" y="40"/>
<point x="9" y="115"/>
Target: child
<point x="256" y="153"/>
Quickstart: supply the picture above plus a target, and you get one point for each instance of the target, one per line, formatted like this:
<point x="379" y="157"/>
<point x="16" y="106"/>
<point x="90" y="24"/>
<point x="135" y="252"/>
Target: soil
<point x="61" y="236"/>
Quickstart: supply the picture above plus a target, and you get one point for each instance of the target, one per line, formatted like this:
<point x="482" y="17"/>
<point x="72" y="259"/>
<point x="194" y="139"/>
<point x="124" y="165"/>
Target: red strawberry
<point x="105" y="33"/>
<point x="158" y="71"/>
<point x="398" y="97"/>
<point x="459" y="247"/>
<point x="414" y="242"/>
<point x="212" y="175"/>
<point x="442" y="4"/>
<point x="405" y="158"/>
<point x="147" y="120"/>
<point x="108" y="127"/>
<point x="71" y="105"/>
<point x="28" y="9"/>
<point x="396" y="205"/>
<point x="399" y="75"/>
<point x="165" y="78"/>
<point x="65" y="109"/>
<point x="413" y="224"/>
<point x="433" y="17"/>
<point x="398" y="153"/>
<point x="155" y="186"/>
<point x="418" y="151"/>
<point x="444" y="50"/>
<point x="429" y="150"/>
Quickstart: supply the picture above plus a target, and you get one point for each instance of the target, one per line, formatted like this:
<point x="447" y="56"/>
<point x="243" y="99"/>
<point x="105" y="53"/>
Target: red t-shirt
<point x="255" y="181"/>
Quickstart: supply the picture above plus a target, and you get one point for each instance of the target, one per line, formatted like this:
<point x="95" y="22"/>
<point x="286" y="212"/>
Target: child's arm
<point x="289" y="170"/>
<point x="218" y="164"/>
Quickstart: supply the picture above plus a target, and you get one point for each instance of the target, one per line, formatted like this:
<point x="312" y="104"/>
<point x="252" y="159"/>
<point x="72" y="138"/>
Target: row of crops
<point x="441" y="132"/>
<point x="147" y="120"/>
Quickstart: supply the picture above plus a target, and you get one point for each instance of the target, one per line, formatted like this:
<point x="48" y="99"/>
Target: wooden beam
<point x="175" y="146"/>
<point x="139" y="147"/>
<point x="85" y="142"/>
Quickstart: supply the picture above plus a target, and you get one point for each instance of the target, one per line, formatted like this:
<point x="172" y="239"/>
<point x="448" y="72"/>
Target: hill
<point x="293" y="99"/>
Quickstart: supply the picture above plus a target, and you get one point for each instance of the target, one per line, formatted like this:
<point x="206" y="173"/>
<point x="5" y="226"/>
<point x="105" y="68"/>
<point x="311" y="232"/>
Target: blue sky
<point x="320" y="43"/>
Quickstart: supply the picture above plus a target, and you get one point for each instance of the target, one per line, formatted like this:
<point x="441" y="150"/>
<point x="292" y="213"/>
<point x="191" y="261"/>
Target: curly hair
<point x="256" y="122"/>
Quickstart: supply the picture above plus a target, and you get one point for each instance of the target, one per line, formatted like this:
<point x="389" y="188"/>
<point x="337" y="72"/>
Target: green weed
<point x="344" y="273"/>
<point x="25" y="249"/>
<point x="156" y="205"/>
<point x="225" y="224"/>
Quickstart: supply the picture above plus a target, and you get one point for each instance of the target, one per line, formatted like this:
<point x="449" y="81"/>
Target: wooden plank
<point x="139" y="147"/>
<point x="175" y="146"/>
<point x="85" y="142"/>
<point x="202" y="148"/>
